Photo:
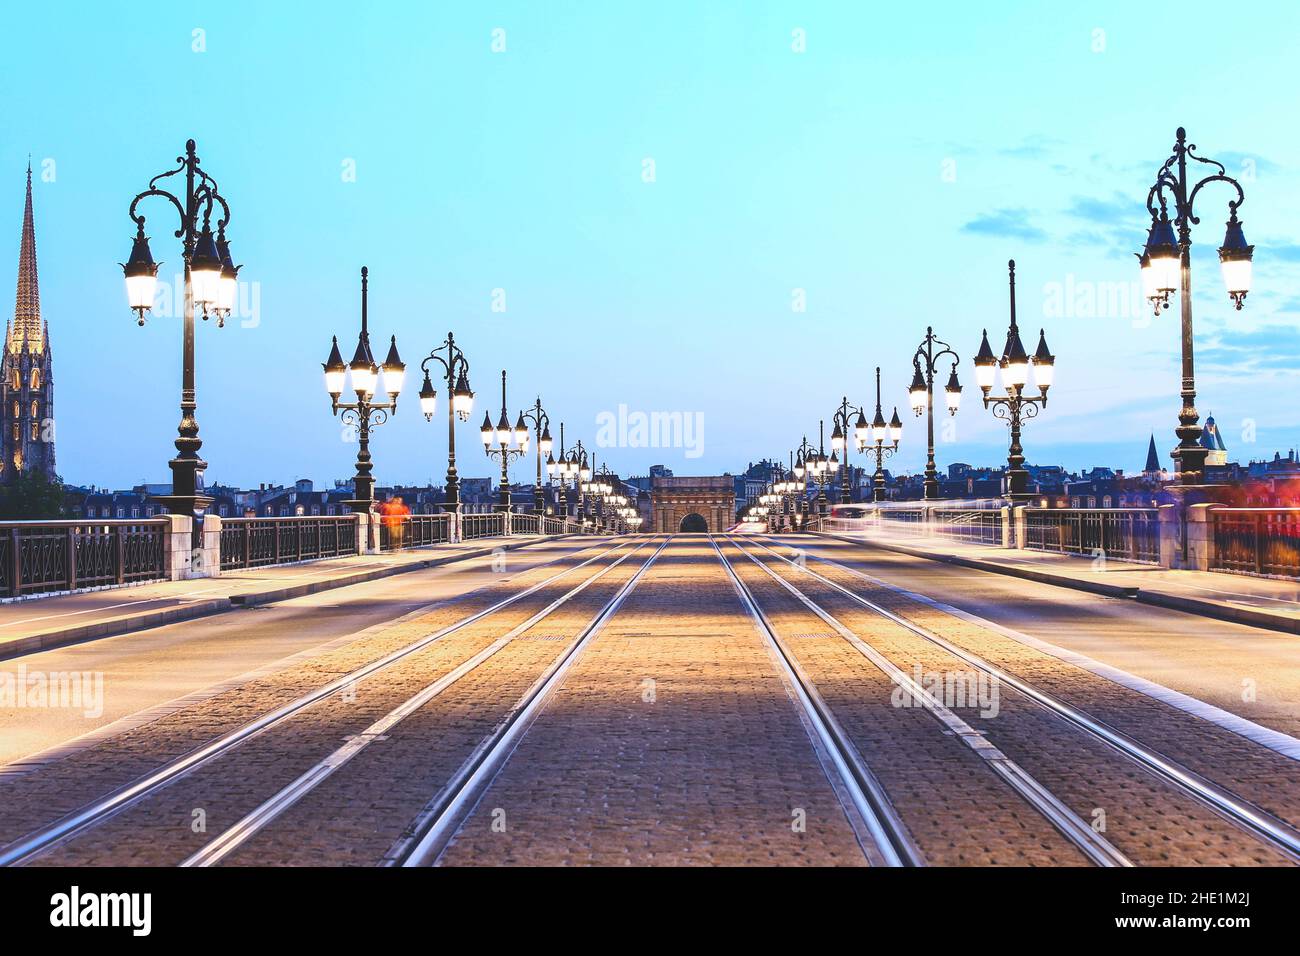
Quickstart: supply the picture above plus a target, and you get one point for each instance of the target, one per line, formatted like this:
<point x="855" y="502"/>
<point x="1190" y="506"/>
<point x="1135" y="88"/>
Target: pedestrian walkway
<point x="45" y="622"/>
<point x="1257" y="601"/>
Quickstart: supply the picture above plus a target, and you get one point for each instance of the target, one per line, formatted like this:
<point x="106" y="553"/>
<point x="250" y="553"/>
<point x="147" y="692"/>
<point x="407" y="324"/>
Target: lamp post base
<point x="184" y="504"/>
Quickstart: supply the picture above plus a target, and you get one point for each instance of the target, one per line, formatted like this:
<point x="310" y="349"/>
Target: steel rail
<point x="435" y="826"/>
<point x="242" y="831"/>
<point x="91" y="814"/>
<point x="1075" y="829"/>
<point x="872" y="804"/>
<point x="1259" y="823"/>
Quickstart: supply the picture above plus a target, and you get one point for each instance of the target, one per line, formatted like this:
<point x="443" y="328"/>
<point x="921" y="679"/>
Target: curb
<point x="22" y="646"/>
<point x="1224" y="612"/>
<point x="108" y="628"/>
<point x="1156" y="598"/>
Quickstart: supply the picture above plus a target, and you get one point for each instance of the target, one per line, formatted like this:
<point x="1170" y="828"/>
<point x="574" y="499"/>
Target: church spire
<point x="1153" y="458"/>
<point x="27" y="303"/>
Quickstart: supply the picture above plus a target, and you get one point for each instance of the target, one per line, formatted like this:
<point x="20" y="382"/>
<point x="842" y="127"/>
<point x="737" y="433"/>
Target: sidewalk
<point x="1259" y="602"/>
<point x="41" y="623"/>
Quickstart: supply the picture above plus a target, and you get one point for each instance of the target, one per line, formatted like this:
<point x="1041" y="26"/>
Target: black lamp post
<point x="460" y="401"/>
<point x="211" y="282"/>
<point x="560" y="469"/>
<point x="511" y="443"/>
<point x="580" y="472"/>
<point x="841" y="438"/>
<point x="921" y="395"/>
<point x="826" y="468"/>
<point x="1167" y="266"/>
<point x="1015" y="406"/>
<point x="365" y="412"/>
<point x="783" y="486"/>
<point x="542" y="427"/>
<point x="608" y="504"/>
<point x="882" y="441"/>
<point x="791" y="490"/>
<point x="812" y="463"/>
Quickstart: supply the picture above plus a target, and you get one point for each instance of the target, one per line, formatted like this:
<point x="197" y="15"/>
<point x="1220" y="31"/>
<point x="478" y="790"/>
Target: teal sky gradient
<point x="830" y="171"/>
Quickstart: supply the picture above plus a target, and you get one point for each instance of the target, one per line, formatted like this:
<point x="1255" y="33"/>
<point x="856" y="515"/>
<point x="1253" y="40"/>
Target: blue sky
<point x="889" y="170"/>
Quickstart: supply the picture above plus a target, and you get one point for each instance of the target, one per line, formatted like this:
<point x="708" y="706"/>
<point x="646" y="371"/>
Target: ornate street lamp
<point x="1166" y="263"/>
<point x="845" y="435"/>
<point x="460" y="402"/>
<point x="365" y="413"/>
<point x="814" y="463"/>
<point x="1015" y="406"/>
<point x="511" y="442"/>
<point x="609" y="501"/>
<point x="921" y="396"/>
<point x="542" y="427"/>
<point x="882" y="440"/>
<point x="580" y="473"/>
<point x="211" y="280"/>
<point x="563" y="470"/>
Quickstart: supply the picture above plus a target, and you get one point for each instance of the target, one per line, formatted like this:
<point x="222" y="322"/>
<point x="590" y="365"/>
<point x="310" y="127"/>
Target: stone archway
<point x="693" y="523"/>
<point x="673" y="499"/>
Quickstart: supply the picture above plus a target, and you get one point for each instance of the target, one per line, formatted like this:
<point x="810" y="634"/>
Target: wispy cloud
<point x="1119" y="208"/>
<point x="1283" y="251"/>
<point x="1032" y="147"/>
<point x="1012" y="223"/>
<point x="1269" y="347"/>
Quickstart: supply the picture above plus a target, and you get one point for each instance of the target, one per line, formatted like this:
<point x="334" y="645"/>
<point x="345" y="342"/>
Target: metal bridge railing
<point x="482" y="525"/>
<point x="1126" y="534"/>
<point x="413" y="531"/>
<point x="525" y="523"/>
<point x="980" y="525"/>
<point x="1263" y="541"/>
<point x="37" y="557"/>
<point x="255" y="542"/>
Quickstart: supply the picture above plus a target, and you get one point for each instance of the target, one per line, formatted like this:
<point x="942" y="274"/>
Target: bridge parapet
<point x="41" y="558"/>
<point x="1263" y="542"/>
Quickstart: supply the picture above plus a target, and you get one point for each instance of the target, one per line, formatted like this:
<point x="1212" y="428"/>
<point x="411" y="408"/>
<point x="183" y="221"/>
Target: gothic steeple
<point x="26" y="370"/>
<point x="27" y="303"/>
<point x="1153" y="458"/>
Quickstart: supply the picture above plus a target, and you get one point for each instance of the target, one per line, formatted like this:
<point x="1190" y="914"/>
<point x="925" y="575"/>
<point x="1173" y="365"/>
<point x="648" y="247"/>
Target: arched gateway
<point x="693" y="523"/>
<point x="683" y="504"/>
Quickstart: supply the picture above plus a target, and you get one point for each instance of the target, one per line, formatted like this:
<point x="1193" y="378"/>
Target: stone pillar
<point x="1200" y="537"/>
<point x="366" y="530"/>
<point x="456" y="529"/>
<point x="1019" y="523"/>
<point x="1171" y="554"/>
<point x="177" y="547"/>
<point x="506" y="523"/>
<point x="1009" y="536"/>
<point x="206" y="562"/>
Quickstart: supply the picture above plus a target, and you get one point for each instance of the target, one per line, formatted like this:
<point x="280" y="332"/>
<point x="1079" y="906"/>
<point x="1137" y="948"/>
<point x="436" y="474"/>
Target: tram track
<point x="432" y="829"/>
<point x="72" y="825"/>
<point x="271" y="809"/>
<point x="1245" y="816"/>
<point x="1094" y="846"/>
<point x="888" y="835"/>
